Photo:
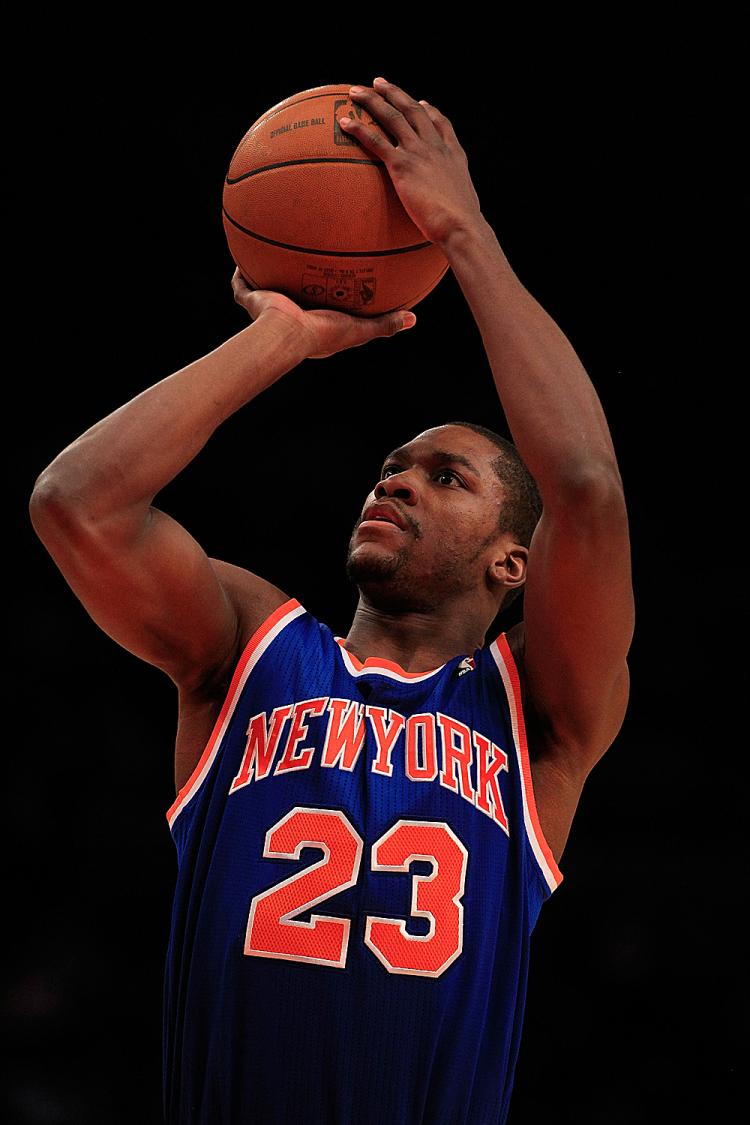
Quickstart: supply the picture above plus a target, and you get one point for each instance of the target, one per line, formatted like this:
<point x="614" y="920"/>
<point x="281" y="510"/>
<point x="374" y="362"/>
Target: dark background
<point x="605" y="186"/>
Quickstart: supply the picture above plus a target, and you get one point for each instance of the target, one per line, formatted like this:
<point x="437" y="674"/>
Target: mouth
<point x="379" y="523"/>
<point x="384" y="513"/>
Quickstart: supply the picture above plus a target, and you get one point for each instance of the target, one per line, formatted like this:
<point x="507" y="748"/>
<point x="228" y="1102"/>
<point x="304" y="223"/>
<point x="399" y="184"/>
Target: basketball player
<point x="367" y="826"/>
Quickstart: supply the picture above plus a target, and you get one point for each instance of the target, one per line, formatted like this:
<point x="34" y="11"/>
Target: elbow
<point x="48" y="496"/>
<point x="62" y="503"/>
<point x="52" y="504"/>
<point x="65" y="508"/>
<point x="71" y="485"/>
<point x="593" y="485"/>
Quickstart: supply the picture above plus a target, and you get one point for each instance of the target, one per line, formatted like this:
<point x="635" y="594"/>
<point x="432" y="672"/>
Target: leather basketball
<point x="310" y="213"/>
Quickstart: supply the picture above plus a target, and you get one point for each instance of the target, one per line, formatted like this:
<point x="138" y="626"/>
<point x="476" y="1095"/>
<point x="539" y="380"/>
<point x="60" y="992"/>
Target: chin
<point x="380" y="579"/>
<point x="371" y="566"/>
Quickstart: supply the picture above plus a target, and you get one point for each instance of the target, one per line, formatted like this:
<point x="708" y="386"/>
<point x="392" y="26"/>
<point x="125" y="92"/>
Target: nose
<point x="397" y="484"/>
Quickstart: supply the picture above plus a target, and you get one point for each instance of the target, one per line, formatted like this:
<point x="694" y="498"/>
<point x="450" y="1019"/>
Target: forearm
<point x="124" y="460"/>
<point x="553" y="412"/>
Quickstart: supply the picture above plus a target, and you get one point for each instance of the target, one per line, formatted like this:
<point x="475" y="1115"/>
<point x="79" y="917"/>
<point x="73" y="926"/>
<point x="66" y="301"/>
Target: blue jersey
<point x="360" y="867"/>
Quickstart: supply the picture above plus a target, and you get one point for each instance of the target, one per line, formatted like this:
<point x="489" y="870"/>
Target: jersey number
<point x="271" y="927"/>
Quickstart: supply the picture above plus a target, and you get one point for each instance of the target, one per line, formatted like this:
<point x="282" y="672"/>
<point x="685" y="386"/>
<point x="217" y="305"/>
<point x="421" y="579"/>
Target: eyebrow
<point x="436" y="455"/>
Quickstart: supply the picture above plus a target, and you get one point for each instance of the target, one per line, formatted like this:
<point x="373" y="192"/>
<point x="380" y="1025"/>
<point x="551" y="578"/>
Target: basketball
<point x="310" y="213"/>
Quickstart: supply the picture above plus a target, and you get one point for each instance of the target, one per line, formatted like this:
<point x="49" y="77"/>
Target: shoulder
<point x="556" y="790"/>
<point x="515" y="638"/>
<point x="254" y="601"/>
<point x="540" y="737"/>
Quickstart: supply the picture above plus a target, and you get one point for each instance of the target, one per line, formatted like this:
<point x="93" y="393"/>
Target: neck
<point x="416" y="641"/>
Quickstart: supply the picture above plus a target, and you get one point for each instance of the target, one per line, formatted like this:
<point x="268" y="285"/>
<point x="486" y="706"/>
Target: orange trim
<point x="229" y="700"/>
<point x="510" y="664"/>
<point x="381" y="662"/>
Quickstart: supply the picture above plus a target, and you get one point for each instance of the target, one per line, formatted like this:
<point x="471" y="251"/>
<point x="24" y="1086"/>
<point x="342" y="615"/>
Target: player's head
<point x="468" y="506"/>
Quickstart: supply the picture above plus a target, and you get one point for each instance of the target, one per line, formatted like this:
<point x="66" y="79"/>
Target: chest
<point x="462" y="739"/>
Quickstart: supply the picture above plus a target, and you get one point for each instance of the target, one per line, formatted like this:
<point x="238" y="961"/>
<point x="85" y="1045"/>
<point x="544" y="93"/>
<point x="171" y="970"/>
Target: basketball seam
<point x="305" y="160"/>
<point x="326" y="253"/>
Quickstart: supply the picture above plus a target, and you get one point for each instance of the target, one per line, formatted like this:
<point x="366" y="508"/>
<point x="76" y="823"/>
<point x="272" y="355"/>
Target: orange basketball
<point x="310" y="213"/>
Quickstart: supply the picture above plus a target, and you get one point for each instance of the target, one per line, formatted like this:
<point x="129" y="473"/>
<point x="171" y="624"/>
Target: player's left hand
<point x="428" y="166"/>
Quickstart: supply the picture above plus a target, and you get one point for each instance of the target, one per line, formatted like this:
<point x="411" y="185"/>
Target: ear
<point x="508" y="567"/>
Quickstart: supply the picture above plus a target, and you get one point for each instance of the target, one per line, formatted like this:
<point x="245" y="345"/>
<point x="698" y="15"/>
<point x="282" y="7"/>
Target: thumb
<point x="396" y="322"/>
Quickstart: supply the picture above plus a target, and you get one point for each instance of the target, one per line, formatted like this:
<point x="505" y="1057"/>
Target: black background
<point x="605" y="186"/>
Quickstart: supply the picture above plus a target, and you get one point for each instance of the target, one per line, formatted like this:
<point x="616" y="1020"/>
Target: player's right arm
<point x="140" y="575"/>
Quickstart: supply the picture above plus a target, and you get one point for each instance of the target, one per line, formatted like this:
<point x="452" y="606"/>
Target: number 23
<point x="273" y="932"/>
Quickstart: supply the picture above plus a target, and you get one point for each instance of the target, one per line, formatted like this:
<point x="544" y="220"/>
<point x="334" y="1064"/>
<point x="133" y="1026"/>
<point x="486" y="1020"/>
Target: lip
<point x="387" y="512"/>
<point x="380" y="524"/>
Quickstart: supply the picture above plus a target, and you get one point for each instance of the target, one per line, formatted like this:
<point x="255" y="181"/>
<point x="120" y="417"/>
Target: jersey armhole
<point x="266" y="632"/>
<point x="506" y="666"/>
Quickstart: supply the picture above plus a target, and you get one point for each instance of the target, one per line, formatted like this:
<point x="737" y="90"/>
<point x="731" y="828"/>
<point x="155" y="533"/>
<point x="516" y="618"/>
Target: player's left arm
<point x="579" y="612"/>
<point x="578" y="598"/>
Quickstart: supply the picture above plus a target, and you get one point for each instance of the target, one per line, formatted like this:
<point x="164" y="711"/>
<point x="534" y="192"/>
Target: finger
<point x="414" y="111"/>
<point x="394" y="110"/>
<point x="440" y="121"/>
<point x="390" y="323"/>
<point x="239" y="284"/>
<point x="362" y="329"/>
<point x="368" y="138"/>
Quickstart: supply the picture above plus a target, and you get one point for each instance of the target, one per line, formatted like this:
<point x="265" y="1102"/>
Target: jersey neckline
<point x="380" y="664"/>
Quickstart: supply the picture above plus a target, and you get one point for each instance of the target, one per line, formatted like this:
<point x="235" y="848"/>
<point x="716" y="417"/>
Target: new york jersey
<point x="360" y="867"/>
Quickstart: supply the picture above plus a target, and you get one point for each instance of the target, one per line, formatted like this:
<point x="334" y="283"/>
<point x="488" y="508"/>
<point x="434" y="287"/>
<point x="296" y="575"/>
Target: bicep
<point x="578" y="622"/>
<point x="155" y="592"/>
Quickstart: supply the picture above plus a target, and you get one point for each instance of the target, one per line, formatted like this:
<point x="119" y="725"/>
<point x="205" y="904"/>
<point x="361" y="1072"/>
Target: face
<point x="447" y="497"/>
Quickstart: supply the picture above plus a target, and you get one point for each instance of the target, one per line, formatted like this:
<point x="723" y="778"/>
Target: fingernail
<point x="408" y="320"/>
<point x="344" y="120"/>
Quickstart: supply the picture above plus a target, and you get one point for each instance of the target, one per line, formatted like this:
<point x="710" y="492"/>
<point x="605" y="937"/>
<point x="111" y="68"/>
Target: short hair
<point x="522" y="507"/>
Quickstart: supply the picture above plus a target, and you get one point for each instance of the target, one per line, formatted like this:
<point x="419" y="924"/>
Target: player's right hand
<point x="321" y="332"/>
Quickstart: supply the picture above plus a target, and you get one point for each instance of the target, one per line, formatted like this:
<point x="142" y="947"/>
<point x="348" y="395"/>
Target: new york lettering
<point x="428" y="747"/>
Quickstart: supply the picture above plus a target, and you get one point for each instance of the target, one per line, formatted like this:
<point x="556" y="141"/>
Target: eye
<point x="384" y="470"/>
<point x="450" y="473"/>
<point x="391" y="467"/>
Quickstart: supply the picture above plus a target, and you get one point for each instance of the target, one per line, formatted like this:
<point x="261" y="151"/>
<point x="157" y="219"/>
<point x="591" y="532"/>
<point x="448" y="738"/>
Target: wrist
<point x="286" y="335"/>
<point x="463" y="238"/>
<point x="474" y="253"/>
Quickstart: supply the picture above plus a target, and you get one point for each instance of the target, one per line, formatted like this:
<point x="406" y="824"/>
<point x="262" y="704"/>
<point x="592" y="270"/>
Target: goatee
<point x="377" y="578"/>
<point x="376" y="568"/>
